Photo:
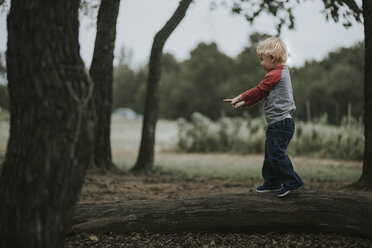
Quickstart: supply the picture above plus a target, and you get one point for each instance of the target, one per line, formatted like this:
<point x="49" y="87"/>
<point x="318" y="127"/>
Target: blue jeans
<point x="277" y="167"/>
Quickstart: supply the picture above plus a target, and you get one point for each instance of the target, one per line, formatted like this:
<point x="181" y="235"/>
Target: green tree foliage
<point x="204" y="77"/>
<point x="129" y="87"/>
<point x="199" y="83"/>
<point x="4" y="97"/>
<point x="171" y="87"/>
<point x="331" y="85"/>
<point x="345" y="11"/>
<point x="2" y="67"/>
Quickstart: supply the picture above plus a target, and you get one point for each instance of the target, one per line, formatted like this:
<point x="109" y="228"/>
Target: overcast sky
<point x="139" y="20"/>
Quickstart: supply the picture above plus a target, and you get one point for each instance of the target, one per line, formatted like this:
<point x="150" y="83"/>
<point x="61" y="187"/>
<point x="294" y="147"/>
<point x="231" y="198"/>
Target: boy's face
<point x="268" y="62"/>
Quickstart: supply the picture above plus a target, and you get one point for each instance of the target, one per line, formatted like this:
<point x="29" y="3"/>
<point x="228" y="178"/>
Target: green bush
<point x="246" y="135"/>
<point x="325" y="141"/>
<point x="238" y="134"/>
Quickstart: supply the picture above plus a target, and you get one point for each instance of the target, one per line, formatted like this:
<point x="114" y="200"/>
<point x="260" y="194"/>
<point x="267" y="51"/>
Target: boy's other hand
<point x="235" y="102"/>
<point x="238" y="105"/>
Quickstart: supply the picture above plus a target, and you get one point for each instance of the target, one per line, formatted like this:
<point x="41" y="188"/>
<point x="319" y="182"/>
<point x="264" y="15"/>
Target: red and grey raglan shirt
<point x="276" y="88"/>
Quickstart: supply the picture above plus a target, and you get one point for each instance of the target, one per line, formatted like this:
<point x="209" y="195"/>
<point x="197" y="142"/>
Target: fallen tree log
<point x="302" y="211"/>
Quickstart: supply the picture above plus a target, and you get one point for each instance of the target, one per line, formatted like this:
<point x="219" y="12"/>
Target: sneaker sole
<point x="267" y="190"/>
<point x="284" y="194"/>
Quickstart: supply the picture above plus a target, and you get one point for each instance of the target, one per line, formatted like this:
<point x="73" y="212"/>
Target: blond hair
<point x="273" y="46"/>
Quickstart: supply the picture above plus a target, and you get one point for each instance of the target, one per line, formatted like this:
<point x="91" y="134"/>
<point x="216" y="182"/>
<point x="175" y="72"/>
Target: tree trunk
<point x="365" y="181"/>
<point x="101" y="72"/>
<point x="146" y="153"/>
<point x="51" y="124"/>
<point x="251" y="213"/>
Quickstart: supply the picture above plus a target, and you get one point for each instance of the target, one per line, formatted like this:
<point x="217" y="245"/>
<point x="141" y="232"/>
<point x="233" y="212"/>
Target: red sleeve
<point x="257" y="93"/>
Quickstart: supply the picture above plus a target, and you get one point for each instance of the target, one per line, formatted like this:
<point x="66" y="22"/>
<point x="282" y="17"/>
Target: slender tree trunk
<point x="101" y="72"/>
<point x="51" y="124"/>
<point x="365" y="181"/>
<point x="145" y="158"/>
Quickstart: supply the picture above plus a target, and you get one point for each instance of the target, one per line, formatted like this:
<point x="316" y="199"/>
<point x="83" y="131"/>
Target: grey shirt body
<point x="279" y="103"/>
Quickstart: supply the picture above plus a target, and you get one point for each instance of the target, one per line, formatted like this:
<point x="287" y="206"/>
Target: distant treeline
<point x="330" y="87"/>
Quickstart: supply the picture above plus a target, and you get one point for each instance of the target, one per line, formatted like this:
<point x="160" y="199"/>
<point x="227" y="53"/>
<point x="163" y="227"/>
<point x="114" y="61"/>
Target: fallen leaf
<point x="94" y="238"/>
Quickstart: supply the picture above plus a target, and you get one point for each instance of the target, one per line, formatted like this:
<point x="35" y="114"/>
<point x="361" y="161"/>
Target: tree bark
<point x="51" y="124"/>
<point x="303" y="211"/>
<point x="101" y="72"/>
<point x="365" y="181"/>
<point x="145" y="158"/>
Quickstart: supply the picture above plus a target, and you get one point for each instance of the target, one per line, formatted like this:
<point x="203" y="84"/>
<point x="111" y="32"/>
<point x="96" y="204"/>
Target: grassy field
<point x="126" y="135"/>
<point x="125" y="138"/>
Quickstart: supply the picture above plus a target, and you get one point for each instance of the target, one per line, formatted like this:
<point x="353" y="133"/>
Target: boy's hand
<point x="235" y="102"/>
<point x="238" y="105"/>
<point x="229" y="101"/>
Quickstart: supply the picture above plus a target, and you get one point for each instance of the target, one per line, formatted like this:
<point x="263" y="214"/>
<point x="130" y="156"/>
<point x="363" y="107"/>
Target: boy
<point x="276" y="88"/>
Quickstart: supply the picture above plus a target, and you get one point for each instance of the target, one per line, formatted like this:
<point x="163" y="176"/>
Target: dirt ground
<point x="110" y="187"/>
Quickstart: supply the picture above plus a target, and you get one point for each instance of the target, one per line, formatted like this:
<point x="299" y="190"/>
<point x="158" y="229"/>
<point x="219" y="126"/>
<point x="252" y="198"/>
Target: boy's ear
<point x="272" y="58"/>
